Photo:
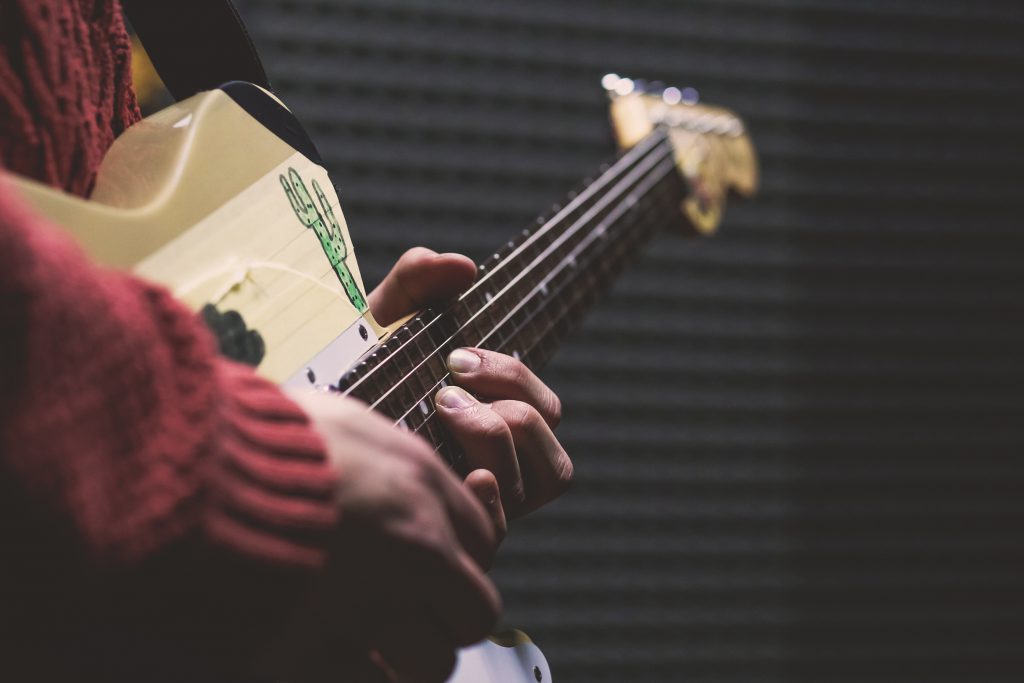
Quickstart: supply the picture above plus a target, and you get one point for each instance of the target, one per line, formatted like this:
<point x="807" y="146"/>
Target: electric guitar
<point x="223" y="199"/>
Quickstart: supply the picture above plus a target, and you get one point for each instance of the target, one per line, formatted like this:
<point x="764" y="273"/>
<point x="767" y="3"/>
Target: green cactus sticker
<point x="331" y="238"/>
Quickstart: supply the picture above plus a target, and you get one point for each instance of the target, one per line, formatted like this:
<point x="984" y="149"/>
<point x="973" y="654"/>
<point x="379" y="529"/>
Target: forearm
<point x="173" y="484"/>
<point x="119" y="415"/>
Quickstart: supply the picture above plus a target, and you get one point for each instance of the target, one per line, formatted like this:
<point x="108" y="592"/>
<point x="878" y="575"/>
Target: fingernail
<point x="454" y="397"/>
<point x="461" y="360"/>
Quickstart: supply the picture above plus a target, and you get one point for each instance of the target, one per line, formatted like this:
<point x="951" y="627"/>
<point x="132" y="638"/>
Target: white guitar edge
<point x="327" y="366"/>
<point x="493" y="662"/>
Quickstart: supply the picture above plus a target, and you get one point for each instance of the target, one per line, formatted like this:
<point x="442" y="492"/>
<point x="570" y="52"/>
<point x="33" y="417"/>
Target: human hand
<point x="407" y="584"/>
<point x="508" y="437"/>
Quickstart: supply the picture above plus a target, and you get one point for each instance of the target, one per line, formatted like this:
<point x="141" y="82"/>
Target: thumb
<point x="420" y="277"/>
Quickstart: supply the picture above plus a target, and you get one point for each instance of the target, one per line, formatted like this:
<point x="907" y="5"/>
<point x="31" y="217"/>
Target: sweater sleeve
<point x="125" y="429"/>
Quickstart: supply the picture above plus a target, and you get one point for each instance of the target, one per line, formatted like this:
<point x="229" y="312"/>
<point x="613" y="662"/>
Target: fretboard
<point x="530" y="294"/>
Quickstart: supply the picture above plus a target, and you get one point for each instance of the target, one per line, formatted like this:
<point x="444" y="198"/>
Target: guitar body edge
<point x="222" y="199"/>
<point x="205" y="199"/>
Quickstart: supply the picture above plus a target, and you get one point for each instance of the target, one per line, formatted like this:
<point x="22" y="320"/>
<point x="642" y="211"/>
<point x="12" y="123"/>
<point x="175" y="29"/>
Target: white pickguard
<point x="327" y="366"/>
<point x="489" y="662"/>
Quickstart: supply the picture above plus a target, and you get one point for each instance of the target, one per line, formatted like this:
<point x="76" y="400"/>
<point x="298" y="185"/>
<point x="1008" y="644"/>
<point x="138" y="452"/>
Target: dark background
<point x="798" y="443"/>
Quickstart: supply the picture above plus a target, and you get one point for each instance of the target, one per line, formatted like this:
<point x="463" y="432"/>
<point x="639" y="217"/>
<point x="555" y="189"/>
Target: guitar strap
<point x="196" y="45"/>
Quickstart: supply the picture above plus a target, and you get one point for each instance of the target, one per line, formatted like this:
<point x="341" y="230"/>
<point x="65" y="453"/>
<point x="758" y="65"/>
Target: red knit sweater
<point x="159" y="506"/>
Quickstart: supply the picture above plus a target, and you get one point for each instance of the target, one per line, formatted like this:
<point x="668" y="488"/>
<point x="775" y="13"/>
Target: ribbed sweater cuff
<point x="271" y="488"/>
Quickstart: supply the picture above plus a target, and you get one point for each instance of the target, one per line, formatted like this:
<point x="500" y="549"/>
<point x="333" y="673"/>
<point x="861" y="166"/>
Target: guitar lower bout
<point x="508" y="657"/>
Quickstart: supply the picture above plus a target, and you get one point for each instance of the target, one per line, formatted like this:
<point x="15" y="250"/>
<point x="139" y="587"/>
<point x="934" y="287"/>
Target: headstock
<point x="712" y="146"/>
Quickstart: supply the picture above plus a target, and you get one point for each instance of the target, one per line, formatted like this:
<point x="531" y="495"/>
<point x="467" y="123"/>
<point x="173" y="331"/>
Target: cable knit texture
<point x="65" y="87"/>
<point x="149" y="489"/>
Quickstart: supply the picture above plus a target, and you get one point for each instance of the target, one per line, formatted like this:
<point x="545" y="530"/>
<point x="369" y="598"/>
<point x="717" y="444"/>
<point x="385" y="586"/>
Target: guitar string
<point x="649" y="145"/>
<point x="621" y="209"/>
<point x="580" y="223"/>
<point x="625" y="165"/>
<point x="582" y="262"/>
<point x="618" y="170"/>
<point x="653" y="214"/>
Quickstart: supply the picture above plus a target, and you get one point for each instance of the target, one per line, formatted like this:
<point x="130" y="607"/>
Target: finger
<point x="419" y="278"/>
<point x="469" y="519"/>
<point x="484" y="437"/>
<point x="381" y="673"/>
<point x="462" y="599"/>
<point x="484" y="486"/>
<point x="488" y="373"/>
<point x="546" y="468"/>
<point x="414" y="649"/>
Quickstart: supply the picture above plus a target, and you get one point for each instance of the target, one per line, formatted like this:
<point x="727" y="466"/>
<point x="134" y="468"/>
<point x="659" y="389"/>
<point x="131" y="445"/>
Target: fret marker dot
<point x="443" y="384"/>
<point x="515" y="354"/>
<point x="544" y="290"/>
<point x="488" y="296"/>
<point x="424" y="408"/>
<point x="404" y="425"/>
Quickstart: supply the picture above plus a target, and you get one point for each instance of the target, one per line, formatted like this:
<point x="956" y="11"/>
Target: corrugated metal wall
<point x="799" y="444"/>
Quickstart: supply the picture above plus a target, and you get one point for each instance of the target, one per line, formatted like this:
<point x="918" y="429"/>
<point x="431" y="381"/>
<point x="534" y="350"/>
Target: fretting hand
<point x="508" y="434"/>
<point x="409" y="587"/>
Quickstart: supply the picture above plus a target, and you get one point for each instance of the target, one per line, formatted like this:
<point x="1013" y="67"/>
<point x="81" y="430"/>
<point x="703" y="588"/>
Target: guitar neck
<point x="530" y="294"/>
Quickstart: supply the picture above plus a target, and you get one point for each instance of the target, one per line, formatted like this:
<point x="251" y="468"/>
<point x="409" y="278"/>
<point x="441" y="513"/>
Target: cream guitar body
<point x="222" y="198"/>
<point x="194" y="198"/>
<point x="206" y="200"/>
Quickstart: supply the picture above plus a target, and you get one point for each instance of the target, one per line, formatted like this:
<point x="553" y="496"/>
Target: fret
<point x="437" y="363"/>
<point x="411" y="418"/>
<point x="529" y="294"/>
<point x="604" y="257"/>
<point x="439" y="331"/>
<point x="434" y="351"/>
<point x="597" y="257"/>
<point x="490" y="264"/>
<point x="516" y="335"/>
<point x="433" y="431"/>
<point x="402" y="359"/>
<point x="459" y="313"/>
<point x="474" y="331"/>
<point x="529" y="326"/>
<point x="492" y="316"/>
<point x="365" y="389"/>
<point x="471" y="328"/>
<point x="473" y="302"/>
<point x="350" y="377"/>
<point x="503" y="333"/>
<point x="422" y="344"/>
<point x="502" y="278"/>
<point x="411" y="394"/>
<point x="391" y="403"/>
<point x="418" y="383"/>
<point x="384" y="372"/>
<point x="415" y="324"/>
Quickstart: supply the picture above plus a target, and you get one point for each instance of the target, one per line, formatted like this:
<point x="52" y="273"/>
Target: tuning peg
<point x="618" y="86"/>
<point x="609" y="81"/>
